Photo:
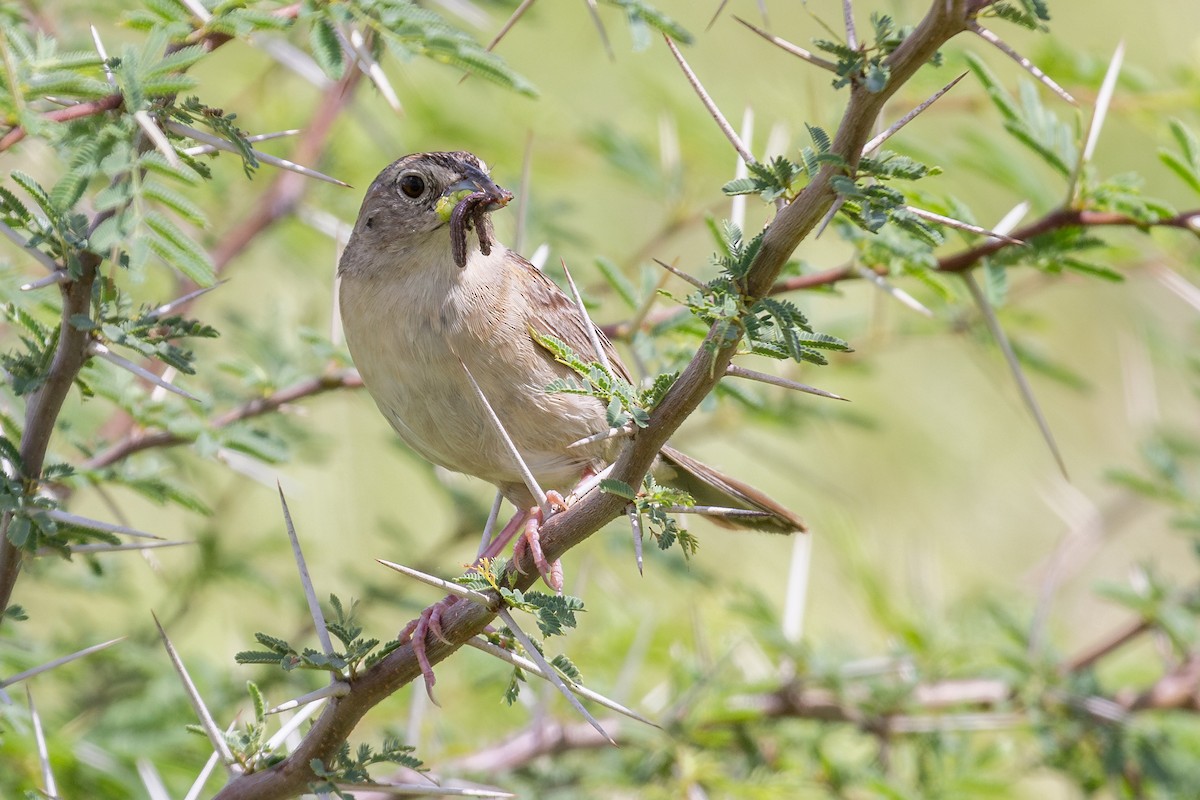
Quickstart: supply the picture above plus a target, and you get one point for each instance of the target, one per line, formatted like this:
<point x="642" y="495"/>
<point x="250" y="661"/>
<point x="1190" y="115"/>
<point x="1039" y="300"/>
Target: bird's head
<point x="416" y="195"/>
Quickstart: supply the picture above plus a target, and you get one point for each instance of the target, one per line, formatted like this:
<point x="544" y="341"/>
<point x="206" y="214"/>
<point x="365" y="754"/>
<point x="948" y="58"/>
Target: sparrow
<point x="426" y="308"/>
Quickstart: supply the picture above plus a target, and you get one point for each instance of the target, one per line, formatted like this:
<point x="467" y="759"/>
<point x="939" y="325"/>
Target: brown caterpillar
<point x="467" y="214"/>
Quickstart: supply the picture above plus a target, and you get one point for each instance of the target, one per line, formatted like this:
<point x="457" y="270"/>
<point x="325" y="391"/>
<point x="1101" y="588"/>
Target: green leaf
<point x="619" y="488"/>
<point x="327" y="48"/>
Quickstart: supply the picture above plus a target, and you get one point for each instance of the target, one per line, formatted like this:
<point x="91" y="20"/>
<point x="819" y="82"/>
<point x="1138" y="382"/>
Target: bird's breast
<point x="411" y="334"/>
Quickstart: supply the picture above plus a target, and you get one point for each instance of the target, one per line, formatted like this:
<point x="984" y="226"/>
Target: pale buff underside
<point x="407" y="328"/>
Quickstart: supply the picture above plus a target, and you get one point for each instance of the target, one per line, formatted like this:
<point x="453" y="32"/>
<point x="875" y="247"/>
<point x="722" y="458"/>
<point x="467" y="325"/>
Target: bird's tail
<point x="711" y="488"/>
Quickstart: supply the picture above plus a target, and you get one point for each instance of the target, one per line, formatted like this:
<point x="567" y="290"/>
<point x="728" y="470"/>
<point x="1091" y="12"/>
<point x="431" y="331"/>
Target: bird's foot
<point x="417" y="632"/>
<point x="551" y="572"/>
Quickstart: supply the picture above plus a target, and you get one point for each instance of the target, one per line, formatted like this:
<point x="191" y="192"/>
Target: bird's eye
<point x="412" y="185"/>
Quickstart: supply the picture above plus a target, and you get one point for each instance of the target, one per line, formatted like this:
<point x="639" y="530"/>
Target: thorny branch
<point x="563" y="531"/>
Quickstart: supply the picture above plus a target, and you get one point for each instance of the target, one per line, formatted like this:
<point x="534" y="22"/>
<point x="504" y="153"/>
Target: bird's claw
<point x="417" y="631"/>
<point x="551" y="572"/>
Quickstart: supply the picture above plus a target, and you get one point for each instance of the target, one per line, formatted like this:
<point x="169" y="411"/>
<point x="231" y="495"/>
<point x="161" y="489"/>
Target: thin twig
<point x="696" y="282"/>
<point x="599" y="23"/>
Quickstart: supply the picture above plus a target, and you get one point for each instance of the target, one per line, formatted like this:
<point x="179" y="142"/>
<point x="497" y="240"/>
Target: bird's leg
<point x="551" y="573"/>
<point x="430" y="620"/>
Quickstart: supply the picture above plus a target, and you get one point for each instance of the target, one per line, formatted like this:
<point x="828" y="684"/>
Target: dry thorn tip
<point x="100" y="350"/>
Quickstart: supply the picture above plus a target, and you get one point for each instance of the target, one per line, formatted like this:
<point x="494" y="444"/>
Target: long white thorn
<point x="222" y="144"/>
<point x="205" y="149"/>
<point x="722" y="123"/>
<point x="293" y="724"/>
<point x="1103" y="99"/>
<point x="786" y="46"/>
<point x="103" y="53"/>
<point x="19" y="240"/>
<point x="635" y="525"/>
<point x="1012" y="219"/>
<point x="67" y="518"/>
<point x="796" y="595"/>
<point x="848" y="16"/>
<point x="1014" y="366"/>
<point x="830" y="214"/>
<point x="479" y="643"/>
<point x="202" y="778"/>
<point x="39" y="737"/>
<point x="118" y="548"/>
<point x="97" y="349"/>
<point x="877" y="142"/>
<point x="335" y="689"/>
<point x="734" y="371"/>
<point x="420" y="790"/>
<point x="895" y="292"/>
<point x="157" y="137"/>
<point x="551" y="674"/>
<point x="206" y="720"/>
<point x="58" y="662"/>
<point x="737" y="204"/>
<point x="53" y="279"/>
<point x="1028" y="65"/>
<point x="310" y="592"/>
<point x="486" y="537"/>
<point x="611" y="433"/>
<point x="153" y="782"/>
<point x="479" y="598"/>
<point x="197" y="8"/>
<point x="588" y="325"/>
<point x="599" y="23"/>
<point x="694" y="281"/>
<point x="950" y="222"/>
<point x="526" y="474"/>
<point x="371" y="68"/>
<point x="168" y="307"/>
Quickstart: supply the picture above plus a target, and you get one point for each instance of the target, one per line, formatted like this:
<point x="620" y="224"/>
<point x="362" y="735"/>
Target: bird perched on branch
<point x="434" y="317"/>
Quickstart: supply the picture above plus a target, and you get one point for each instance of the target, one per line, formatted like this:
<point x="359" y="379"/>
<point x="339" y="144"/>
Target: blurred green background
<point x="928" y="494"/>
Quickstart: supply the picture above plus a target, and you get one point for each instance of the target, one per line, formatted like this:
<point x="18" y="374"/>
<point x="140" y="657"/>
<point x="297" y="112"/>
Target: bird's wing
<point x="556" y="315"/>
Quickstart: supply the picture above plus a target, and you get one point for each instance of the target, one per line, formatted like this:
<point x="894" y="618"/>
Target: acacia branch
<point x="209" y="40"/>
<point x="139" y="441"/>
<point x="563" y="531"/>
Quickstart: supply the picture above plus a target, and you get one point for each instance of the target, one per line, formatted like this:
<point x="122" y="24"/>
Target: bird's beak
<point x="473" y="181"/>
